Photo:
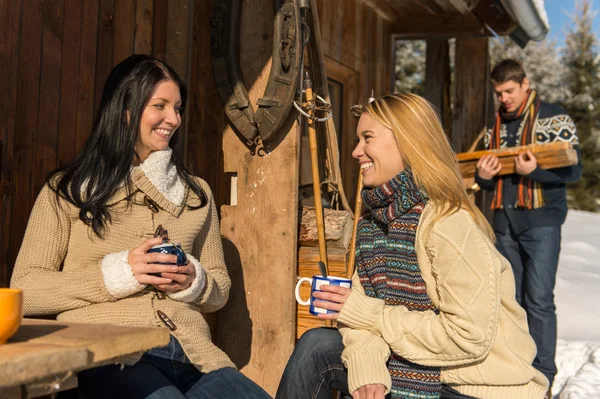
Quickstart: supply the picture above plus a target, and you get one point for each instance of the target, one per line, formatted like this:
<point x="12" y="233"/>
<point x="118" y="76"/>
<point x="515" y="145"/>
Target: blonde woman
<point x="432" y="310"/>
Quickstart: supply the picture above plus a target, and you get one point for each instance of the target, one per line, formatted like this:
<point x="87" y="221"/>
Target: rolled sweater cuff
<point x="118" y="276"/>
<point x="361" y="312"/>
<point x="193" y="292"/>
<point x="366" y="370"/>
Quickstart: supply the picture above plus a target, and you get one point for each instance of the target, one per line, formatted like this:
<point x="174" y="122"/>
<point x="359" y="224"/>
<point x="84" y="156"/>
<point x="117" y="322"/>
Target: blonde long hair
<point x="425" y="148"/>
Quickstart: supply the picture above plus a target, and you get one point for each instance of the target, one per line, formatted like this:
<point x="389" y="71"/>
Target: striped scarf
<point x="388" y="269"/>
<point x="529" y="195"/>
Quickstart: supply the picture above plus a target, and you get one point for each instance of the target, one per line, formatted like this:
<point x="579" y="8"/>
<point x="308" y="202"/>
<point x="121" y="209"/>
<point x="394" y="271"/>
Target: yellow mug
<point x="11" y="312"/>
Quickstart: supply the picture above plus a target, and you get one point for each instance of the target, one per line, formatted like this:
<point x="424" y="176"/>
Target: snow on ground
<point x="577" y="297"/>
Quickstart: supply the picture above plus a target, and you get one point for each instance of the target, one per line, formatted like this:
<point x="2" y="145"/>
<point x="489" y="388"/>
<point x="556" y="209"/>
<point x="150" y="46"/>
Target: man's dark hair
<point x="508" y="70"/>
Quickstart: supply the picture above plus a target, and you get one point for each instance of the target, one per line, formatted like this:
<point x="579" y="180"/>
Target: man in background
<point x="531" y="205"/>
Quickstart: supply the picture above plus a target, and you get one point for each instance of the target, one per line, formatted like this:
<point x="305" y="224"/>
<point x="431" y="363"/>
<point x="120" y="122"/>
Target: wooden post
<point x="472" y="85"/>
<point x="257" y="327"/>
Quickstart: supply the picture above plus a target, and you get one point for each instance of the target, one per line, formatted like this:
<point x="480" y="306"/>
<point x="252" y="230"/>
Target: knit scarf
<point x="388" y="269"/>
<point x="529" y="194"/>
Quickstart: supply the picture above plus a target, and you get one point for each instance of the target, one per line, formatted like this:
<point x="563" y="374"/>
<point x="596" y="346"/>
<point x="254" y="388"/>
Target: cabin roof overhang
<point x="522" y="20"/>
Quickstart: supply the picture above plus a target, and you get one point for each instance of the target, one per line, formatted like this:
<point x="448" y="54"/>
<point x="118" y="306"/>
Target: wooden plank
<point x="144" y="13"/>
<point x="266" y="213"/>
<point x="103" y="341"/>
<point x="389" y="70"/>
<point x="104" y="50"/>
<point x="159" y="29"/>
<point x="380" y="78"/>
<point x="69" y="79"/>
<point x="37" y="361"/>
<point x="179" y="30"/>
<point x="336" y="23"/>
<point x="10" y="25"/>
<point x="87" y="72"/>
<point x="307" y="267"/>
<point x="27" y="102"/>
<point x="548" y="156"/>
<point x="368" y="56"/>
<point x="472" y="83"/>
<point x="46" y="134"/>
<point x="178" y="51"/>
<point x="206" y="116"/>
<point x="426" y="26"/>
<point x="437" y="80"/>
<point x="349" y="33"/>
<point x="124" y="25"/>
<point x="43" y="348"/>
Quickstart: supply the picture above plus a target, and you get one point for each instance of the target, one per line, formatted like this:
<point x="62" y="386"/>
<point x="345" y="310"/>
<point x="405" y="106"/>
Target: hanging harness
<point x="262" y="126"/>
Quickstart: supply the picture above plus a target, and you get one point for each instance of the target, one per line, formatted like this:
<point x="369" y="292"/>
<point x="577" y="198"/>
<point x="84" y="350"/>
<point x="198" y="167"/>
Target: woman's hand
<point x="182" y="279"/>
<point x="371" y="391"/>
<point x="336" y="296"/>
<point x="143" y="264"/>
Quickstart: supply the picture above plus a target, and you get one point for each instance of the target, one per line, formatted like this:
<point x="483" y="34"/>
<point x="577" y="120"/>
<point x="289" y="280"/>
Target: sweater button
<point x="153" y="206"/>
<point x="166" y="320"/>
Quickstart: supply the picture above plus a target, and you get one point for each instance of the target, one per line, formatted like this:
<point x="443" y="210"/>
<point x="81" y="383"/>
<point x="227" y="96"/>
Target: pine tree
<point x="580" y="57"/>
<point x="410" y="66"/>
<point x="542" y="63"/>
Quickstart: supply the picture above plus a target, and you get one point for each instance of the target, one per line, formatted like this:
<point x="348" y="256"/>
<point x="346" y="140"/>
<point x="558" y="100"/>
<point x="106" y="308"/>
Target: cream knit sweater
<point x="65" y="269"/>
<point x="480" y="337"/>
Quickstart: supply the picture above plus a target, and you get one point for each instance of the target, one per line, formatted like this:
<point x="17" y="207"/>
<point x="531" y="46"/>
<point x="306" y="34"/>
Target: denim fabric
<point x="166" y="373"/>
<point x="533" y="255"/>
<point x="315" y="369"/>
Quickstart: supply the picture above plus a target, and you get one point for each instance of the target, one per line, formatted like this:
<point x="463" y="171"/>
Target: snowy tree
<point x="542" y="63"/>
<point x="410" y="66"/>
<point x="580" y="57"/>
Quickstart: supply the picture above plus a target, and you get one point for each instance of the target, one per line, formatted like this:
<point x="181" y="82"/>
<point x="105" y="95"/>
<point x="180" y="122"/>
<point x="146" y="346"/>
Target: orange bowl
<point x="11" y="312"/>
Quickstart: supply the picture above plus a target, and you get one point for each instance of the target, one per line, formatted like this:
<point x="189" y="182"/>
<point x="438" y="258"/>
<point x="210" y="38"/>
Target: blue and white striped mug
<point x="315" y="283"/>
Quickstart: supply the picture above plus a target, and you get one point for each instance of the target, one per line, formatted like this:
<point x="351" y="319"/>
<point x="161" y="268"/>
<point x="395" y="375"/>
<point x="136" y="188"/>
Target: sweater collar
<point x="157" y="177"/>
<point x="162" y="173"/>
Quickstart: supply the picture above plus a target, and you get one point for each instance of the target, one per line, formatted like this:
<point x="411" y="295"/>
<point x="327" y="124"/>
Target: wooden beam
<point x="437" y="80"/>
<point x="495" y="16"/>
<point x="383" y="9"/>
<point x="257" y="327"/>
<point x="435" y="26"/>
<point x="471" y="89"/>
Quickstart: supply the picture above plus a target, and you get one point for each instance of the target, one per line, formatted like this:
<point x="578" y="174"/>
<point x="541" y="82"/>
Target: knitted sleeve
<point x="365" y="355"/>
<point x="466" y="273"/>
<point x="47" y="289"/>
<point x="558" y="128"/>
<point x="208" y="249"/>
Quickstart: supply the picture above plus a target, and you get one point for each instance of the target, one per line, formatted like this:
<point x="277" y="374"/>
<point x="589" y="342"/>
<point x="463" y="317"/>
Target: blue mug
<point x="315" y="283"/>
<point x="169" y="249"/>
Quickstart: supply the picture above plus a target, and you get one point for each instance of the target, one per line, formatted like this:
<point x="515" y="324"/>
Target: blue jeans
<point x="316" y="368"/>
<point x="533" y="256"/>
<point x="166" y="373"/>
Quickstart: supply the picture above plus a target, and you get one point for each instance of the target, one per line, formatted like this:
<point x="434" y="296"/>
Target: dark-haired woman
<point x="84" y="255"/>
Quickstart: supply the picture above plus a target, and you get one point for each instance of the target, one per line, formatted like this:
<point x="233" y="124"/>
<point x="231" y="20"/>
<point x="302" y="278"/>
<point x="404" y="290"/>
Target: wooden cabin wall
<point x="357" y="43"/>
<point x="55" y="56"/>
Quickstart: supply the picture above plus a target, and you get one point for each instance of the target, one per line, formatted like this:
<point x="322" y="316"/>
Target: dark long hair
<point x="103" y="165"/>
